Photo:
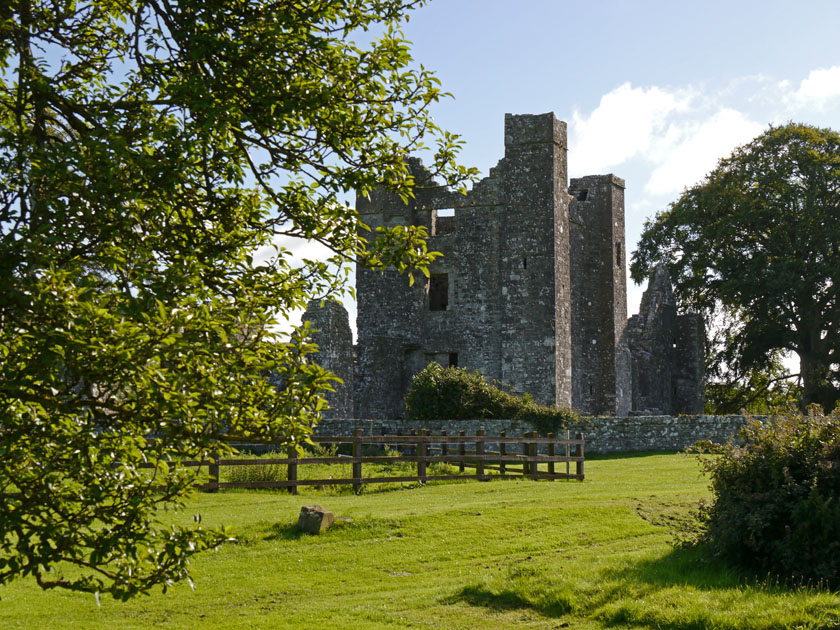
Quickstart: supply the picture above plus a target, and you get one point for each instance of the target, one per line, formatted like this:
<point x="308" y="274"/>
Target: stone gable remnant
<point x="531" y="290"/>
<point x="335" y="343"/>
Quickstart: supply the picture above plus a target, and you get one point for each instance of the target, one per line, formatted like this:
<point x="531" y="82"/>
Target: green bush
<point x="776" y="506"/>
<point x="453" y="393"/>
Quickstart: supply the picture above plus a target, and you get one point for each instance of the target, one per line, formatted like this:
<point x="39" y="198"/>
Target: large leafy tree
<point x="147" y="149"/>
<point x="756" y="247"/>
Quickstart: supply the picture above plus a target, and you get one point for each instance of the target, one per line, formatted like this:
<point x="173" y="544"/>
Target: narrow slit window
<point x="618" y="254"/>
<point x="439" y="292"/>
<point x="524" y="262"/>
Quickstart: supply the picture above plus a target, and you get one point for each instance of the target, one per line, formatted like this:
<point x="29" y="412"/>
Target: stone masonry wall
<point x="666" y="353"/>
<point x="505" y="266"/>
<point x="599" y="293"/>
<point x="530" y="290"/>
<point x="335" y="352"/>
<point x="534" y="260"/>
<point x="602" y="434"/>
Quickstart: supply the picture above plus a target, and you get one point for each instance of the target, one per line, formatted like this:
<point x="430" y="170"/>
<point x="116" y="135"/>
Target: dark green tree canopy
<point x="147" y="149"/>
<point x="757" y="246"/>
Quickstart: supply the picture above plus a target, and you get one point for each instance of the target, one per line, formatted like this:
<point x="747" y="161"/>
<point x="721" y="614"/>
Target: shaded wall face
<point x="388" y="317"/>
<point x="599" y="294"/>
<point x="335" y="353"/>
<point x="379" y="380"/>
<point x="477" y="308"/>
<point x="689" y="364"/>
<point x="666" y="352"/>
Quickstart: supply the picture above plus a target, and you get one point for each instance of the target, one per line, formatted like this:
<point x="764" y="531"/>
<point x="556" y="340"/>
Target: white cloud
<point x="627" y="123"/>
<point x="818" y="88"/>
<point x="670" y="133"/>
<point x="298" y="250"/>
<point x="671" y="137"/>
<point x="703" y="143"/>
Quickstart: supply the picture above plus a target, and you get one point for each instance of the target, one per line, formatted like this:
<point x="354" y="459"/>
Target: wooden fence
<point x="423" y="449"/>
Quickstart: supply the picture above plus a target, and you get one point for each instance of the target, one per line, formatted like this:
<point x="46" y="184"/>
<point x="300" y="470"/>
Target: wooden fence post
<point x="526" y="465"/>
<point x="479" y="451"/>
<point x="357" y="464"/>
<point x="413" y="446"/>
<point x="551" y="436"/>
<point x="502" y="453"/>
<point x="568" y="454"/>
<point x="462" y="451"/>
<point x="579" y="464"/>
<point x="213" y="471"/>
<point x="292" y="468"/>
<point x="422" y="448"/>
<point x="532" y="452"/>
<point x="444" y="447"/>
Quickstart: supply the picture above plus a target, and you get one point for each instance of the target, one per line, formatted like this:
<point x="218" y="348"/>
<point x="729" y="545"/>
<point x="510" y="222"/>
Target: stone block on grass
<point x="314" y="519"/>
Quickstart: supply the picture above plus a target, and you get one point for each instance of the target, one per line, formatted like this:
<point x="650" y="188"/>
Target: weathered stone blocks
<point x="314" y="519"/>
<point x="531" y="290"/>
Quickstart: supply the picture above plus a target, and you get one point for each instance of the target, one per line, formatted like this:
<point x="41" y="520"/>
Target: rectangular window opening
<point x="443" y="221"/>
<point x="453" y="359"/>
<point x="439" y="292"/>
<point x="583" y="195"/>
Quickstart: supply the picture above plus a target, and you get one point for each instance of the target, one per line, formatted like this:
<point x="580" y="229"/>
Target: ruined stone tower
<point x="599" y="295"/>
<point x="666" y="351"/>
<point x="530" y="290"/>
<point x="335" y="352"/>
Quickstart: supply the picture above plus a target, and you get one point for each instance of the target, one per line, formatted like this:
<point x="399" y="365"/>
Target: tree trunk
<point x="816" y="383"/>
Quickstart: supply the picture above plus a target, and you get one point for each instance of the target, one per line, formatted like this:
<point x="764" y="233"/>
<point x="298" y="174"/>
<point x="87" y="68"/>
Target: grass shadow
<point x="693" y="565"/>
<point x="698" y="566"/>
<point x="509" y="599"/>
<point x="643" y="596"/>
<point x="285" y="531"/>
<point x="350" y="529"/>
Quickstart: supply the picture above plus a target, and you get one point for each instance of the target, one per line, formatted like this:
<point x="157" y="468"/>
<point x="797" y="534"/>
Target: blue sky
<point x="655" y="92"/>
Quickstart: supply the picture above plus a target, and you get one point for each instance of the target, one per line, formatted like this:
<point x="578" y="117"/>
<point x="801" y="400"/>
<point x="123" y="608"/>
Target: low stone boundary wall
<point x="603" y="434"/>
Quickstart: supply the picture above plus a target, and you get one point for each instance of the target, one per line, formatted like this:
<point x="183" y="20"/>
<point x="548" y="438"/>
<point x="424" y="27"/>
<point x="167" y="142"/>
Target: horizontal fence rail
<point x="421" y="449"/>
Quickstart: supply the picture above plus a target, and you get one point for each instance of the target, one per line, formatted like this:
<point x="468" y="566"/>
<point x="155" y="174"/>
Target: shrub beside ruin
<point x="454" y="393"/>
<point x="776" y="506"/>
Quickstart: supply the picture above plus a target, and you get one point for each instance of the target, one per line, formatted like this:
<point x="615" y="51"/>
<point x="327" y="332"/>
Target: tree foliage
<point x="757" y="245"/>
<point x="762" y="390"/>
<point x="147" y="149"/>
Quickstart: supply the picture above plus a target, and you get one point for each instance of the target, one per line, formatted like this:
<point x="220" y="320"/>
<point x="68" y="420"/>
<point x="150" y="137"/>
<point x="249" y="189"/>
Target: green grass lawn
<point x="500" y="554"/>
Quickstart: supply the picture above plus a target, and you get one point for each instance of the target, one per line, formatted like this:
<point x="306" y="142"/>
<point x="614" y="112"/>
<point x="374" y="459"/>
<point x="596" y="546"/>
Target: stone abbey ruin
<point x="530" y="290"/>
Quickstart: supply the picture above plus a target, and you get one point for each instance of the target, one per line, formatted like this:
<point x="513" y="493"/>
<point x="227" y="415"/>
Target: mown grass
<point x="501" y="554"/>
